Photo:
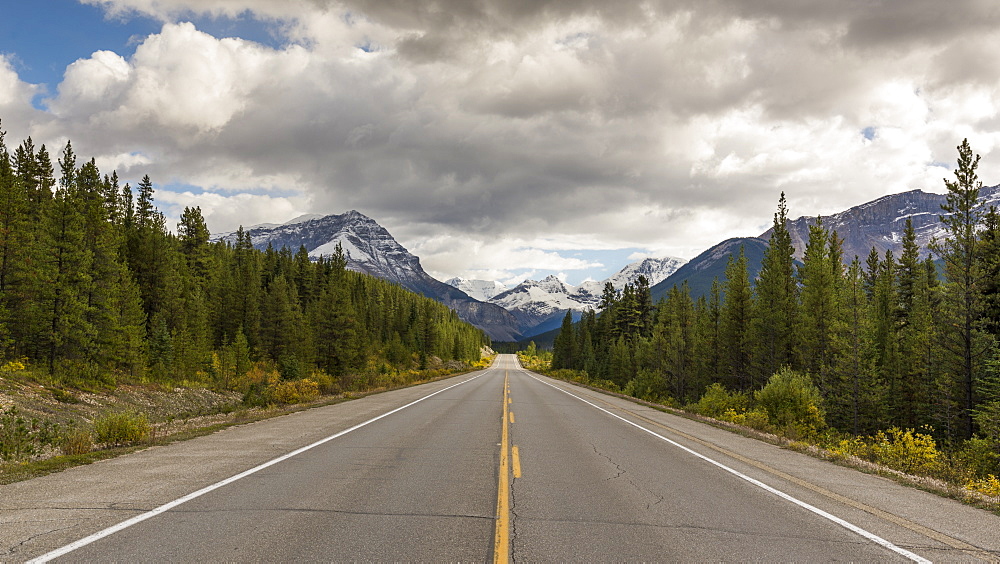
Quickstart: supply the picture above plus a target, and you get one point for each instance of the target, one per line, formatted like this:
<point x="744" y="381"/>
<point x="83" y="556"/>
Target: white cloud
<point x="227" y="213"/>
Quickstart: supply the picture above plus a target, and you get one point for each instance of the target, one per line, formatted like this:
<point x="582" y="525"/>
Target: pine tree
<point x="988" y="255"/>
<point x="335" y="320"/>
<point x="882" y="340"/>
<point x="564" y="353"/>
<point x="776" y="306"/>
<point x="678" y="330"/>
<point x="819" y="276"/>
<point x="855" y="398"/>
<point x="14" y="240"/>
<point x="963" y="293"/>
<point x="586" y="360"/>
<point x="915" y="336"/>
<point x="62" y="295"/>
<point x="734" y="340"/>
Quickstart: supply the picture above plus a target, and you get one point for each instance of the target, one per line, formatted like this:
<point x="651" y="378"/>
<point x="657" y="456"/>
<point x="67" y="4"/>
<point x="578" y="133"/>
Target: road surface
<point x="494" y="465"/>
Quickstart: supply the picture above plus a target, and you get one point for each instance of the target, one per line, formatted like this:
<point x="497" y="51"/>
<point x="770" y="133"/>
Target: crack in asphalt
<point x="621" y="472"/>
<point x="13" y="549"/>
<point x="612" y="462"/>
<point x="735" y="532"/>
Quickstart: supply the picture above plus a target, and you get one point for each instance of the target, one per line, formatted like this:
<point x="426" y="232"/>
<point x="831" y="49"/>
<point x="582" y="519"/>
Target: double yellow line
<point x="501" y="538"/>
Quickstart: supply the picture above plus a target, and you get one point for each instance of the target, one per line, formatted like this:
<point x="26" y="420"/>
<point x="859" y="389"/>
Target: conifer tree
<point x="775" y="305"/>
<point x="678" y="329"/>
<point x="988" y="255"/>
<point x="915" y="336"/>
<point x="963" y="293"/>
<point x="337" y="346"/>
<point x="734" y="340"/>
<point x="586" y="360"/>
<point x="819" y="277"/>
<point x="882" y="339"/>
<point x="564" y="351"/>
<point x="193" y="233"/>
<point x="855" y="396"/>
<point x="63" y="285"/>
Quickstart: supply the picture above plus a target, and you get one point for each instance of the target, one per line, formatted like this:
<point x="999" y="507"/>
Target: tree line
<point x="889" y="341"/>
<point x="95" y="287"/>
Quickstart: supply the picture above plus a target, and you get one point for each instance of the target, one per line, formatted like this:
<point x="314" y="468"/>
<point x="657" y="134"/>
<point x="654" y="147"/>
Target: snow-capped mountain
<point x="482" y="290"/>
<point x="880" y="223"/>
<point x="369" y="248"/>
<point x="654" y="269"/>
<point x="537" y="304"/>
<point x="540" y="305"/>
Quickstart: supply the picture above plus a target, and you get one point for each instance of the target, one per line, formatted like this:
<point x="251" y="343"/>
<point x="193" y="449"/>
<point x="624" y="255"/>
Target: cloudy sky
<point x="504" y="139"/>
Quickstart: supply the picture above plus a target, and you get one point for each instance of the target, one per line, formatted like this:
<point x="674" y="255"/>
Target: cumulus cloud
<point x="480" y="132"/>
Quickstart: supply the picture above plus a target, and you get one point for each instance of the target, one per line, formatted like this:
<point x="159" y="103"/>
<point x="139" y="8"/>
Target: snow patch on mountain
<point x="654" y="269"/>
<point x="482" y="290"/>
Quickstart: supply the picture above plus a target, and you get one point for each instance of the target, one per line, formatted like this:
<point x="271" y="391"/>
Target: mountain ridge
<point x="880" y="223"/>
<point x="540" y="305"/>
<point x="371" y="249"/>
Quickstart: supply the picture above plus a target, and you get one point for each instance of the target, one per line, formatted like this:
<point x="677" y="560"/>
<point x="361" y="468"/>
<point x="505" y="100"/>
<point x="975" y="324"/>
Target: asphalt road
<point x="502" y="463"/>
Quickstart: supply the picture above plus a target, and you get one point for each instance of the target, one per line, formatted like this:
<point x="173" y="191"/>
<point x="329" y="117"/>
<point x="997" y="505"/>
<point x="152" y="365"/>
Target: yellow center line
<point x="501" y="539"/>
<point x="511" y="416"/>
<point x="516" y="459"/>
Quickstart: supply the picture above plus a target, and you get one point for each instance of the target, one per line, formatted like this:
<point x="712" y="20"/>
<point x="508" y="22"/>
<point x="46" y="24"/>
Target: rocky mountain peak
<point x="371" y="249"/>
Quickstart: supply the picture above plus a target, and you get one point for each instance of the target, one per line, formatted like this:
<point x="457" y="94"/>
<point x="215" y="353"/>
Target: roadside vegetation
<point x="894" y="361"/>
<point x="100" y="301"/>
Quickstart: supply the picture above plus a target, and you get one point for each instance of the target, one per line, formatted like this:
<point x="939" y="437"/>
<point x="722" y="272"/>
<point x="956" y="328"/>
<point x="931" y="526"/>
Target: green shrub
<point x="988" y="418"/>
<point x="755" y="419"/>
<point x="979" y="457"/>
<point x="792" y="403"/>
<point x="906" y="450"/>
<point x="901" y="449"/>
<point x="990" y="485"/>
<point x="122" y="428"/>
<point x="648" y="385"/>
<point x="717" y="400"/>
<point x="22" y="438"/>
<point x="63" y="396"/>
<point x="76" y="441"/>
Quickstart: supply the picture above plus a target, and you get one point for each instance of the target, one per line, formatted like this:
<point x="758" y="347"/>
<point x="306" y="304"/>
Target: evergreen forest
<point x="874" y="343"/>
<point x="96" y="289"/>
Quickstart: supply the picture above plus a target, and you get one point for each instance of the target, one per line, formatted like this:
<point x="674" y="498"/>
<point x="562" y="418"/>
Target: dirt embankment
<point x="168" y="410"/>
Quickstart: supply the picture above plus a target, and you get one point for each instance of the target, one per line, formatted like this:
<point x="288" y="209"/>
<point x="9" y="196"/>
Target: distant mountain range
<point x="540" y="305"/>
<point x="534" y="307"/>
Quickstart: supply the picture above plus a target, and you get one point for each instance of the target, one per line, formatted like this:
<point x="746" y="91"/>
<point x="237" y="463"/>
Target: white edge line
<point x="849" y="526"/>
<point x="170" y="505"/>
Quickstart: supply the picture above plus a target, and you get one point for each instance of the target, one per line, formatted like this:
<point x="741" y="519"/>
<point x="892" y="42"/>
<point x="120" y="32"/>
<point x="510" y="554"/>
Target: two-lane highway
<point x="502" y="464"/>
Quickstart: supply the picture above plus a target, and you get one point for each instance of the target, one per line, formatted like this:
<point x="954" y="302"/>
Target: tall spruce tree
<point x="819" y="277"/>
<point x="915" y="336"/>
<point x="855" y="397"/>
<point x="735" y="344"/>
<point x="988" y="251"/>
<point x="775" y="304"/>
<point x="564" y="352"/>
<point x="963" y="293"/>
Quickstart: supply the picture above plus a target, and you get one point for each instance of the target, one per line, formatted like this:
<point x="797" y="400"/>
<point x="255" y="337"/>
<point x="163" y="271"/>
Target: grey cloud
<point x="435" y="137"/>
